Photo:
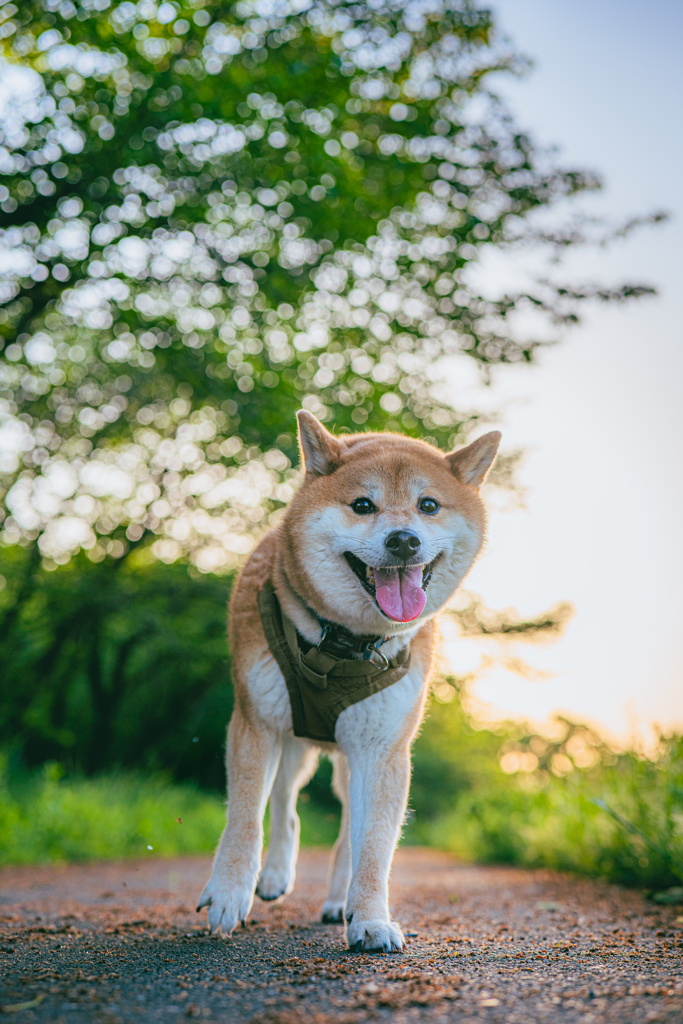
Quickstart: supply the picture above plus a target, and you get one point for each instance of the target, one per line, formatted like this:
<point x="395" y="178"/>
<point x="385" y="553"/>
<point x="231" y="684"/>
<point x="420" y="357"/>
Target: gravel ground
<point x="119" y="942"/>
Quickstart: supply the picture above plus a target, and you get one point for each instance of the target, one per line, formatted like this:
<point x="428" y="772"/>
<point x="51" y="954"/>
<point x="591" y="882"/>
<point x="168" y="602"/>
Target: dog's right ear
<point x="471" y="464"/>
<point x="320" y="451"/>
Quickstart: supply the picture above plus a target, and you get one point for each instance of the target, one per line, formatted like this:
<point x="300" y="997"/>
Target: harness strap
<point x="321" y="685"/>
<point x="314" y="665"/>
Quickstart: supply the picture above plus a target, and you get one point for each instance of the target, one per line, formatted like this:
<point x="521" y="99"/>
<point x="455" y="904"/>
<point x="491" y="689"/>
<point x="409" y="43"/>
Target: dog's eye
<point x="428" y="505"/>
<point x="363" y="506"/>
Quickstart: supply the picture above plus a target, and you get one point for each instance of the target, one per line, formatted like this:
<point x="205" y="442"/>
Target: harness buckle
<point x="343" y="645"/>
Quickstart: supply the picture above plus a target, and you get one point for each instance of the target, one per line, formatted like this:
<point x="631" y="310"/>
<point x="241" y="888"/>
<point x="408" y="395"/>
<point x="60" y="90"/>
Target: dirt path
<point x="121" y="942"/>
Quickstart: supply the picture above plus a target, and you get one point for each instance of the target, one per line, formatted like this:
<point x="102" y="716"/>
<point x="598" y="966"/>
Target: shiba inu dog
<point x="332" y="636"/>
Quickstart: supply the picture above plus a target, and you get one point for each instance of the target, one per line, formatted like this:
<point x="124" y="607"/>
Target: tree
<point x="214" y="214"/>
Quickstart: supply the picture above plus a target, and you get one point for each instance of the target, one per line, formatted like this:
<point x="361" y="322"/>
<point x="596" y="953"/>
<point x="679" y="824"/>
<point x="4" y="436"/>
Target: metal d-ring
<point x="376" y="650"/>
<point x="327" y="629"/>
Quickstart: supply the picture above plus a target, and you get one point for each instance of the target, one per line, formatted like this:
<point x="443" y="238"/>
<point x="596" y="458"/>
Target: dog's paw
<point x="380" y="936"/>
<point x="228" y="904"/>
<point x="274" y="882"/>
<point x="333" y="913"/>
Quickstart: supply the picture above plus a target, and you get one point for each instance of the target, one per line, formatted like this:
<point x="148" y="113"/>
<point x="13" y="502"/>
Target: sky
<point x="601" y="415"/>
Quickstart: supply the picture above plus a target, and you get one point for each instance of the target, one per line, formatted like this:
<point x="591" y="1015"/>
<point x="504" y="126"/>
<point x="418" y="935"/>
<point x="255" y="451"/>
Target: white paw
<point x="381" y="936"/>
<point x="274" y="882"/>
<point x="228" y="904"/>
<point x="333" y="912"/>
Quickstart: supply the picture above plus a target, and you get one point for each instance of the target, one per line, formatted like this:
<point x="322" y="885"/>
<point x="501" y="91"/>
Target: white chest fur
<point x="268" y="693"/>
<point x="375" y="720"/>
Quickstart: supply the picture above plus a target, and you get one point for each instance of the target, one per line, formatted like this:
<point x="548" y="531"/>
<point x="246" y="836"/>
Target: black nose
<point x="403" y="543"/>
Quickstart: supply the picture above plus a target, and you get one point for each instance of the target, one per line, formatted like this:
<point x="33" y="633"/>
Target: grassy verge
<point x="49" y="818"/>
<point x="505" y="795"/>
<point x="513" y="796"/>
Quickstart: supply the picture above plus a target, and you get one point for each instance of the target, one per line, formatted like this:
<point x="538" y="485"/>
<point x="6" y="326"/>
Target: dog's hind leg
<point x="297" y="764"/>
<point x="252" y="758"/>
<point x="333" y="909"/>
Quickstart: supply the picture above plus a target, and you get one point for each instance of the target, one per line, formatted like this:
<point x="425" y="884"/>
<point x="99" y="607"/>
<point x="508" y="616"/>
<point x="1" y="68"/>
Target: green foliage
<point x="46" y="817"/>
<point x="545" y="814"/>
<point x="463" y="802"/>
<point x="214" y="214"/>
<point x="115" y="667"/>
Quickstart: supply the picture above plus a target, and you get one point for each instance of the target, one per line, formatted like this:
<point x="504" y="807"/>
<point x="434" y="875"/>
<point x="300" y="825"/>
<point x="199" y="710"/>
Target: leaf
<point x="672" y="895"/>
<point x="14" y="1007"/>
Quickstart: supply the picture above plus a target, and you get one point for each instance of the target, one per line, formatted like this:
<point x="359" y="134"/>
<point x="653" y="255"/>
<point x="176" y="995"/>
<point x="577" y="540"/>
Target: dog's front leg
<point x="379" y="780"/>
<point x="252" y="758"/>
<point x="375" y="734"/>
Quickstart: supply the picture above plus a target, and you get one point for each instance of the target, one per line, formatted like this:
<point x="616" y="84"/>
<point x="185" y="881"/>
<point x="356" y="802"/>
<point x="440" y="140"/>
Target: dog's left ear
<point x="471" y="464"/>
<point x="320" y="451"/>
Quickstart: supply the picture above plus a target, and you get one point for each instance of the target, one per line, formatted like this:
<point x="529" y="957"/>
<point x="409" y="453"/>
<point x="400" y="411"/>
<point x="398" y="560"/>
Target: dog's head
<point x="384" y="527"/>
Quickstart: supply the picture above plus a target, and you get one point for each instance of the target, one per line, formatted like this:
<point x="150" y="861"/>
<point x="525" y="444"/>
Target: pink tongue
<point x="399" y="592"/>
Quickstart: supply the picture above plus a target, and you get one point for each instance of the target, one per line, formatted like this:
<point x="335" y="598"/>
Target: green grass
<point x="554" y="812"/>
<point x="48" y="818"/>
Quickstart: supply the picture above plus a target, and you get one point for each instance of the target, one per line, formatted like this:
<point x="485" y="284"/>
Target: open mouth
<point x="398" y="590"/>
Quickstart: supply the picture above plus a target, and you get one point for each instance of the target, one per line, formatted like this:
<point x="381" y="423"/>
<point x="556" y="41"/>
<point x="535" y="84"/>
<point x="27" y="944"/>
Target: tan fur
<point x="303" y="558"/>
